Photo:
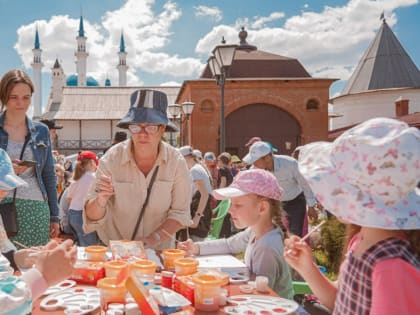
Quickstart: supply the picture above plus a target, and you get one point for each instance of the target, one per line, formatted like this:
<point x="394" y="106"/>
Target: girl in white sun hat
<point x="367" y="177"/>
<point x="255" y="207"/>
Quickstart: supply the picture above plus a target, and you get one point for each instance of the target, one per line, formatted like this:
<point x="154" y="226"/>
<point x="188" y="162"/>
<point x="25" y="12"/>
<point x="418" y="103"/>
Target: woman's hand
<point x="299" y="255"/>
<point x="19" y="169"/>
<point x="54" y="230"/>
<point x="104" y="190"/>
<point x="190" y="247"/>
<point x="56" y="262"/>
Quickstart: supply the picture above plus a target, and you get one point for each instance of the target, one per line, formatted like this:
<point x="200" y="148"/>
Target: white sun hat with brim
<point x="8" y="179"/>
<point x="369" y="175"/>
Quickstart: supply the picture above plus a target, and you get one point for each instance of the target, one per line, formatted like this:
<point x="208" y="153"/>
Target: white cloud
<point x="213" y="13"/>
<point x="328" y="43"/>
<point x="171" y="83"/>
<point x="261" y="22"/>
<point x="169" y="65"/>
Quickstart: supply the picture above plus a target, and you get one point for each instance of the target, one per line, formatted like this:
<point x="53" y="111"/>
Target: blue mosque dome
<point x="72" y="81"/>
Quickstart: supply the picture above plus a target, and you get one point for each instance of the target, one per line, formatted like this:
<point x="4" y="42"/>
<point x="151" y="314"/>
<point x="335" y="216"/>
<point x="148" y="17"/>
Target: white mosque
<point x="87" y="111"/>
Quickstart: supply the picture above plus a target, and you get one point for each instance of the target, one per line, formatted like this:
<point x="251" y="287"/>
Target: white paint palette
<point x="260" y="305"/>
<point x="75" y="300"/>
<point x="64" y="285"/>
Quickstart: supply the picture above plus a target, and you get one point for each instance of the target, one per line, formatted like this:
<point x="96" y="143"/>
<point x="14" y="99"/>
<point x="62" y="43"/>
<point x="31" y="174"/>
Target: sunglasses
<point x="149" y="129"/>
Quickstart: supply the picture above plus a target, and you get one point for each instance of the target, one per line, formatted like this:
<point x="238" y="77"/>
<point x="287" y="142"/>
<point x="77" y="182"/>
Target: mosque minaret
<point x="81" y="55"/>
<point x="122" y="64"/>
<point x="37" y="69"/>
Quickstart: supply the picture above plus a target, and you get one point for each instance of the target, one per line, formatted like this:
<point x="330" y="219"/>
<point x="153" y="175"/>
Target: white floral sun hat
<point x="369" y="175"/>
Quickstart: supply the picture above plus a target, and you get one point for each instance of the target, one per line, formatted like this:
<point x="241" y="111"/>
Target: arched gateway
<point x="253" y="120"/>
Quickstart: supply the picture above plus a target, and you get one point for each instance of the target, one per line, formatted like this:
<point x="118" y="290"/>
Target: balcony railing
<point x="77" y="145"/>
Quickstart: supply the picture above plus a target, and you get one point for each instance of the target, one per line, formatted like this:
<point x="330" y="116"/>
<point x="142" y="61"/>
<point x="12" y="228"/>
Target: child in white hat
<point x="367" y="177"/>
<point x="255" y="207"/>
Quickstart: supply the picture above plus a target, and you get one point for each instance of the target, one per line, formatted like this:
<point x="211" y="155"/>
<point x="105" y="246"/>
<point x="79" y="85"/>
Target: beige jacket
<point x="169" y="199"/>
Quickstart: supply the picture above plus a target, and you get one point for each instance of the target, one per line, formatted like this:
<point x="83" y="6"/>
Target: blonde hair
<point x="278" y="216"/>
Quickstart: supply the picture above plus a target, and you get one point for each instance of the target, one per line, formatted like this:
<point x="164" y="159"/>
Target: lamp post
<point x="174" y="111"/>
<point x="187" y="108"/>
<point x="183" y="113"/>
<point x="219" y="64"/>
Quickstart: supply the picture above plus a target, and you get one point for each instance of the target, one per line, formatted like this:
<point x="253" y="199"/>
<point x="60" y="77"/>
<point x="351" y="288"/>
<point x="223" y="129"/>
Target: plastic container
<point x="167" y="279"/>
<point x="169" y="256"/>
<point x="96" y="253"/>
<point x="185" y="266"/>
<point x="110" y="292"/>
<point x="114" y="267"/>
<point x="144" y="270"/>
<point x="206" y="292"/>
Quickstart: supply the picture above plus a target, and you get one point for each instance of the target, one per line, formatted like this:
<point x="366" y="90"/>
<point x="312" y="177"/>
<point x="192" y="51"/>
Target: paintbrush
<point x="308" y="234"/>
<point x="20" y="244"/>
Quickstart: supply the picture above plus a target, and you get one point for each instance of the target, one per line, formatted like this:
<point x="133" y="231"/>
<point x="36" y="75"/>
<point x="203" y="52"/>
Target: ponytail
<point x="80" y="168"/>
<point x="278" y="216"/>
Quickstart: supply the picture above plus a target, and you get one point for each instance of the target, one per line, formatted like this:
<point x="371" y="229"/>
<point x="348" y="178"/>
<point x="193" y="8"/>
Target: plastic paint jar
<point x="185" y="266"/>
<point x="110" y="292"/>
<point x="114" y="267"/>
<point x="169" y="256"/>
<point x="95" y="253"/>
<point x="206" y="292"/>
<point x="167" y="279"/>
<point x="144" y="270"/>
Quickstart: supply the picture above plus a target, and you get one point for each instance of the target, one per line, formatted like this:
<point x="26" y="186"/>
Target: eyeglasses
<point x="149" y="129"/>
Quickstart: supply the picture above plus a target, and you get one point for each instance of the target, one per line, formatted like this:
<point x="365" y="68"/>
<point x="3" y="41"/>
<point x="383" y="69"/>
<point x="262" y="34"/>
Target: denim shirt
<point x="40" y="143"/>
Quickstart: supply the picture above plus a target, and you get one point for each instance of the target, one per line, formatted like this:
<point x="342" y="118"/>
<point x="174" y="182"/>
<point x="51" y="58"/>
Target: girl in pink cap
<point x="368" y="177"/>
<point x="255" y="207"/>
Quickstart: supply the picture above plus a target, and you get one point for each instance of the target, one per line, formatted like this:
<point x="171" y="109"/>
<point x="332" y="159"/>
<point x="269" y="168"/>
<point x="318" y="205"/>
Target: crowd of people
<point x="142" y="188"/>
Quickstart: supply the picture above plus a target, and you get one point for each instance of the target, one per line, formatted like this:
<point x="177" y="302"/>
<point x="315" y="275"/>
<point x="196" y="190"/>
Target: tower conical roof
<point x="81" y="28"/>
<point x="37" y="45"/>
<point x="122" y="43"/>
<point x="56" y="64"/>
<point x="384" y="65"/>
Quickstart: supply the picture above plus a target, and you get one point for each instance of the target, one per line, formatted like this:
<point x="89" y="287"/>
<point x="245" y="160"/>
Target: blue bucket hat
<point x="147" y="106"/>
<point x="8" y="179"/>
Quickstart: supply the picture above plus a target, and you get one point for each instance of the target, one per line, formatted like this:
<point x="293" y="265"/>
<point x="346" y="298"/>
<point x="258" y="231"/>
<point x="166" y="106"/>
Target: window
<point x="312" y="104"/>
<point x="207" y="106"/>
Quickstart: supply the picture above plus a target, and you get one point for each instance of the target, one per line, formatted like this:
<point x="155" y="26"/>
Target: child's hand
<point x="190" y="248"/>
<point x="298" y="255"/>
<point x="63" y="255"/>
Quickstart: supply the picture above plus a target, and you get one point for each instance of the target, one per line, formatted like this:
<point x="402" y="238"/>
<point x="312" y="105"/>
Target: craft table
<point x="233" y="289"/>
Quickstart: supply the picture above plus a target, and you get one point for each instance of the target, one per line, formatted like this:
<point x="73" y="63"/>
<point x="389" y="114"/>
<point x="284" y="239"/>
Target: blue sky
<point x="169" y="41"/>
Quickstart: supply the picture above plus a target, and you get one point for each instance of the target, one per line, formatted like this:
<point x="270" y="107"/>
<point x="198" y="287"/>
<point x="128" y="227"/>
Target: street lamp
<point x="183" y="113"/>
<point x="219" y="65"/>
<point x="174" y="112"/>
<point x="187" y="108"/>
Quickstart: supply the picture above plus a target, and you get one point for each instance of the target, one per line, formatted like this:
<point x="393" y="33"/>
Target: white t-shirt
<point x="79" y="189"/>
<point x="199" y="173"/>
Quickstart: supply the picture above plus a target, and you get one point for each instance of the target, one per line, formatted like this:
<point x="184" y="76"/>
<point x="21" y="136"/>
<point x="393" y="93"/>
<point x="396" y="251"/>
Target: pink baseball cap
<point x="253" y="181"/>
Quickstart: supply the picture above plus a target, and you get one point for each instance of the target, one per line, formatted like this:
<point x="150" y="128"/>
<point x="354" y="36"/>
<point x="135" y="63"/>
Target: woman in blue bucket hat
<point x="143" y="186"/>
